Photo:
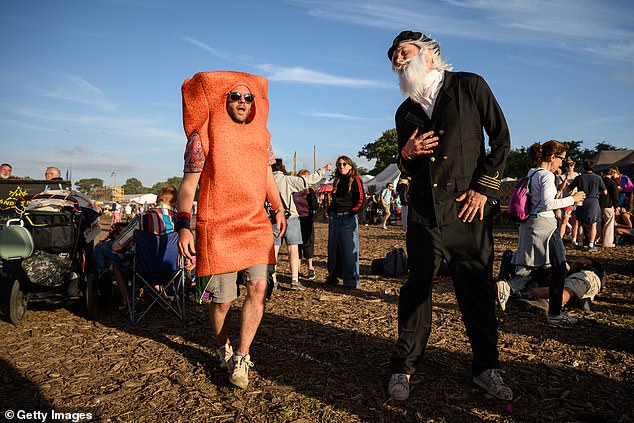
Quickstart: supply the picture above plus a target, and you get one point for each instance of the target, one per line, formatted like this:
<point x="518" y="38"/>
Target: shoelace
<point x="496" y="378"/>
<point x="243" y="361"/>
<point x="401" y="379"/>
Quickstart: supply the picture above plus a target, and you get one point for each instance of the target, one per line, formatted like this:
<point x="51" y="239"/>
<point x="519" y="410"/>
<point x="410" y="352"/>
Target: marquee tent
<point x="388" y="175"/>
<point x="623" y="159"/>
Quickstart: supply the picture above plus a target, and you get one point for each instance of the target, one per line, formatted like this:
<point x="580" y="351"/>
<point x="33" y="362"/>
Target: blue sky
<point x="95" y="84"/>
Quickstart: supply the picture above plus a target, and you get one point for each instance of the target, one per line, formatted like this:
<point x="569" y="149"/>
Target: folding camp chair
<point x="157" y="262"/>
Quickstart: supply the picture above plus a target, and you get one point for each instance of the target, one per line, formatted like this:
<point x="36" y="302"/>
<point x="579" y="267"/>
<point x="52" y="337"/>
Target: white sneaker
<point x="504" y="292"/>
<point x="240" y="374"/>
<point x="491" y="381"/>
<point x="224" y="354"/>
<point x="398" y="387"/>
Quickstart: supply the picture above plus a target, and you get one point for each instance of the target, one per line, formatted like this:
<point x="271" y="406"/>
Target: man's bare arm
<point x="186" y="195"/>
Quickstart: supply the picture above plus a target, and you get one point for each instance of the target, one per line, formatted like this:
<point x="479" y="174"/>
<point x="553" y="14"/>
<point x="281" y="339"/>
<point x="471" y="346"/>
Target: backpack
<point x="395" y="263"/>
<point x="305" y="202"/>
<point x="520" y="202"/>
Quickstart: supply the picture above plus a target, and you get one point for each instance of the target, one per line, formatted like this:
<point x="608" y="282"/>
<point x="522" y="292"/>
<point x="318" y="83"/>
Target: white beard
<point x="413" y="79"/>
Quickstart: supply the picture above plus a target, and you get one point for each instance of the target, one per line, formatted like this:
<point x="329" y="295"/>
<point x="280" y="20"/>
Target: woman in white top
<point x="540" y="244"/>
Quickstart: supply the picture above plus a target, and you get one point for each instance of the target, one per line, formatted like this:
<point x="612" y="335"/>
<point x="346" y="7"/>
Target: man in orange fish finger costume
<point x="229" y="154"/>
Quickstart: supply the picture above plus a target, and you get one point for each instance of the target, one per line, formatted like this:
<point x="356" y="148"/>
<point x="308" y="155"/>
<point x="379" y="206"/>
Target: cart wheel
<point x="17" y="304"/>
<point x="91" y="297"/>
<point x="106" y="288"/>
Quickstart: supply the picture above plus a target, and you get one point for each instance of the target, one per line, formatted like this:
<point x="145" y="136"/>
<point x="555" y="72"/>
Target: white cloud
<point x="130" y="127"/>
<point x="580" y="26"/>
<point x="290" y="74"/>
<point x="83" y="92"/>
<point x="333" y="115"/>
<point x="237" y="58"/>
<point x="307" y="76"/>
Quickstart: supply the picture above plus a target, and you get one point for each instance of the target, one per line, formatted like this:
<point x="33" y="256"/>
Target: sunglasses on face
<point x="562" y="158"/>
<point x="342" y="164"/>
<point x="236" y="96"/>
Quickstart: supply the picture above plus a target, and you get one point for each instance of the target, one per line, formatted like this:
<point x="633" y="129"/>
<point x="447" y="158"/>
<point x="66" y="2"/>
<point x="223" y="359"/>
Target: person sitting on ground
<point x="5" y="171"/>
<point x="624" y="229"/>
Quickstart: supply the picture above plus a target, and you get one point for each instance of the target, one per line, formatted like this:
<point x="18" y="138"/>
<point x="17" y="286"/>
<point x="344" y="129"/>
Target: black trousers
<point x="307" y="249"/>
<point x="468" y="249"/>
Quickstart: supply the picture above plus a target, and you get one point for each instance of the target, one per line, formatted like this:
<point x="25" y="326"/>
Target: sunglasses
<point x="236" y="96"/>
<point x="562" y="158"/>
<point x="342" y="164"/>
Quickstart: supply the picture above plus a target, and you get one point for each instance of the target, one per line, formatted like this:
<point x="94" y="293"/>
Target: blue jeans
<point x="343" y="248"/>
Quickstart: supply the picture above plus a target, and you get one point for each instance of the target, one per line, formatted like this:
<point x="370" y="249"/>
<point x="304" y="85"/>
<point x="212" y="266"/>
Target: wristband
<point x="184" y="214"/>
<point x="279" y="211"/>
<point x="405" y="155"/>
<point x="182" y="223"/>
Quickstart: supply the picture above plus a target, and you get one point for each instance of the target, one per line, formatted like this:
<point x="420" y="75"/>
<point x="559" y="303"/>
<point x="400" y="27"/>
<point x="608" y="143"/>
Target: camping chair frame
<point x="156" y="261"/>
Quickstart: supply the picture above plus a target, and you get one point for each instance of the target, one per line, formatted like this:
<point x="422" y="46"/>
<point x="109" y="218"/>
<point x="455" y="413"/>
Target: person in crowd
<point x="626" y="187"/>
<point x="609" y="203"/>
<point x="567" y="214"/>
<point x="623" y="226"/>
<point x="128" y="211"/>
<point x="225" y="116"/>
<point x="158" y="221"/>
<point x="116" y="213"/>
<point x="306" y="204"/>
<point x="385" y="200"/>
<point x="52" y="174"/>
<point x="343" y="225"/>
<point x="585" y="278"/>
<point x="370" y="208"/>
<point x="402" y="190"/>
<point x="540" y="244"/>
<point x="589" y="212"/>
<point x="453" y="190"/>
<point x="288" y="185"/>
<point x="559" y="180"/>
<point x="5" y="171"/>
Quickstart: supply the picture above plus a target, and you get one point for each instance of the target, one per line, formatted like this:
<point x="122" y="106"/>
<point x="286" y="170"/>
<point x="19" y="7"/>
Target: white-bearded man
<point x="453" y="198"/>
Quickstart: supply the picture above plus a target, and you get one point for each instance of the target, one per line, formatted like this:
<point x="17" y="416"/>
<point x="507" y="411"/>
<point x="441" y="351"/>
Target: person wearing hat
<point x="454" y="192"/>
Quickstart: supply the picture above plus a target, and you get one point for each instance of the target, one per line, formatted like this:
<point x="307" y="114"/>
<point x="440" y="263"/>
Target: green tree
<point x="517" y="163"/>
<point x="604" y="145"/>
<point x="384" y="150"/>
<point x="85" y="185"/>
<point x="362" y="170"/>
<point x="134" y="186"/>
<point x="174" y="181"/>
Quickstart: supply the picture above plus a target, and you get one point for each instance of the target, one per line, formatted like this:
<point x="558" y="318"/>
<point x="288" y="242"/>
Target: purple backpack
<point x="520" y="202"/>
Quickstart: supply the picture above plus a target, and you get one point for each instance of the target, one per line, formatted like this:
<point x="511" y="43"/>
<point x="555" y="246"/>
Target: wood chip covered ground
<point x="321" y="355"/>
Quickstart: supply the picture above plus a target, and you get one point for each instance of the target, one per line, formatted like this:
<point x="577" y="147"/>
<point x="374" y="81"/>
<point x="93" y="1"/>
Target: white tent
<point x="143" y="199"/>
<point x="390" y="174"/>
<point x="366" y="178"/>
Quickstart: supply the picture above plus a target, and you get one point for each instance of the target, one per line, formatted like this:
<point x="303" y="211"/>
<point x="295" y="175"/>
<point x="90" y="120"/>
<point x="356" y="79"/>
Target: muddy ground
<point x="321" y="355"/>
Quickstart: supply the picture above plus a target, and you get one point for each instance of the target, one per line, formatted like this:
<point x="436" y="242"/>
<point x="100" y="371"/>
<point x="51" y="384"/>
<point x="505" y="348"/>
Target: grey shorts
<point x="225" y="287"/>
<point x="293" y="235"/>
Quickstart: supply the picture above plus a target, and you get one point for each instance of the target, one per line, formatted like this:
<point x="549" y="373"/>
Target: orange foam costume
<point x="233" y="231"/>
